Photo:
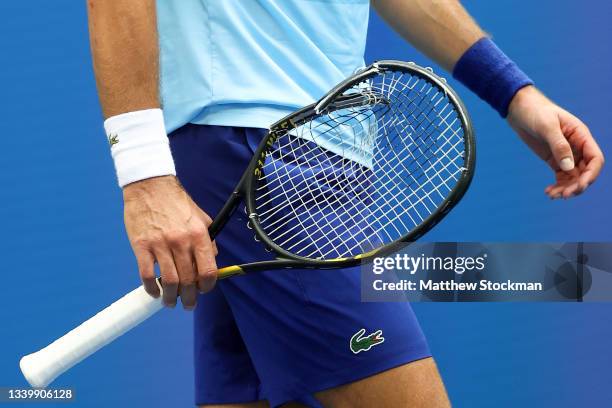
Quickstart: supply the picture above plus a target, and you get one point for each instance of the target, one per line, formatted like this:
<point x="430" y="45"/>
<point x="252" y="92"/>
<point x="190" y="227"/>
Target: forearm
<point x="441" y="29"/>
<point x="124" y="46"/>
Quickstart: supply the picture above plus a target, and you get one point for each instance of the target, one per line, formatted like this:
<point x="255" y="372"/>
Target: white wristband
<point x="139" y="145"/>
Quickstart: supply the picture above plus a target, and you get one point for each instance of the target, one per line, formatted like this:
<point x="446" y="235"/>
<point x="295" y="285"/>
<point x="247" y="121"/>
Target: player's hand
<point x="560" y="139"/>
<point x="164" y="225"/>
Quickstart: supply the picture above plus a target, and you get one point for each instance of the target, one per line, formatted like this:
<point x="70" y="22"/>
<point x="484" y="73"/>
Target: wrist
<point x="150" y="187"/>
<point x="526" y="99"/>
<point x="489" y="73"/>
<point x="522" y="95"/>
<point x="139" y="146"/>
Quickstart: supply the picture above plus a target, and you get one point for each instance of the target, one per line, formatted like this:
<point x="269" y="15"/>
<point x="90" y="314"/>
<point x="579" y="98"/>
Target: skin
<point x="554" y="134"/>
<point x="414" y="385"/>
<point x="443" y="30"/>
<point x="163" y="223"/>
<point x="165" y="226"/>
<point x="173" y="233"/>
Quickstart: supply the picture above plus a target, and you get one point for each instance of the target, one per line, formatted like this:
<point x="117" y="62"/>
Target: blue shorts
<point x="278" y="335"/>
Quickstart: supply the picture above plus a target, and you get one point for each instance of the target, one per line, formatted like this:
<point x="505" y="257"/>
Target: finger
<point x="204" y="217"/>
<point x="559" y="146"/>
<point x="187" y="276"/>
<point x="583" y="142"/>
<point x="586" y="179"/>
<point x="207" y="222"/>
<point x="180" y="244"/>
<point x="189" y="296"/>
<point x="146" y="268"/>
<point x="555" y="189"/>
<point x="593" y="155"/>
<point x="169" y="275"/>
<point x="570" y="190"/>
<point x="556" y="192"/>
<point x="591" y="171"/>
<point x="204" y="253"/>
<point x="548" y="189"/>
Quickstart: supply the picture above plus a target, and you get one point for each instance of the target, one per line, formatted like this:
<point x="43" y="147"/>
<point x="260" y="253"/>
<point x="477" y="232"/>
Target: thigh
<point x="258" y="404"/>
<point x="416" y="385"/>
<point x="300" y="331"/>
<point x="307" y="331"/>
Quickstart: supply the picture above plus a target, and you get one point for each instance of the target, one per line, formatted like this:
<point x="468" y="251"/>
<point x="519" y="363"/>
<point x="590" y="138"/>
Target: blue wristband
<point x="490" y="74"/>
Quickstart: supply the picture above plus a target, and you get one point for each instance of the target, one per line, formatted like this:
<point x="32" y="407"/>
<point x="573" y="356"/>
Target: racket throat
<point x="225" y="214"/>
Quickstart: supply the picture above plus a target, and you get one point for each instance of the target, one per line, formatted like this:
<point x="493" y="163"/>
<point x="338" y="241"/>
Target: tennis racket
<point x="378" y="161"/>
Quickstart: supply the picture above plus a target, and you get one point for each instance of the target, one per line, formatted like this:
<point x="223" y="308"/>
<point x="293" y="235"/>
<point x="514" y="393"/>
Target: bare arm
<point x="124" y="47"/>
<point x="163" y="224"/>
<point x="443" y="30"/>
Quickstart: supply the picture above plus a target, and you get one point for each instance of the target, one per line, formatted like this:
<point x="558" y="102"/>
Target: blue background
<point x="65" y="254"/>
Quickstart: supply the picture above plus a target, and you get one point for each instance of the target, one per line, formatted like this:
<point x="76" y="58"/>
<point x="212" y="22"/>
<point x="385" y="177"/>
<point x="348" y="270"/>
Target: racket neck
<point x="225" y="214"/>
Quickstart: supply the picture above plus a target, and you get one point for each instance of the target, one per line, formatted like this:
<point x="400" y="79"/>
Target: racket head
<point x="294" y="185"/>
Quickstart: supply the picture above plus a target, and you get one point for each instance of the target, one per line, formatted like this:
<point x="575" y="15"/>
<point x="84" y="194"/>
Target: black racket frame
<point x="245" y="190"/>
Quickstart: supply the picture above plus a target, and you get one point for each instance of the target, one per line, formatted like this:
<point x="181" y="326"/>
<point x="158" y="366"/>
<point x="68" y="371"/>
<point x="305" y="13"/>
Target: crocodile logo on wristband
<point x="113" y="139"/>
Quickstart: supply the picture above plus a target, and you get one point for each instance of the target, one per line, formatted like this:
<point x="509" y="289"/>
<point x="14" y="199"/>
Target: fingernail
<point x="566" y="164"/>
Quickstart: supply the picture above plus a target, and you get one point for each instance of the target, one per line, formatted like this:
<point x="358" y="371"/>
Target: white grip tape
<point x="44" y="366"/>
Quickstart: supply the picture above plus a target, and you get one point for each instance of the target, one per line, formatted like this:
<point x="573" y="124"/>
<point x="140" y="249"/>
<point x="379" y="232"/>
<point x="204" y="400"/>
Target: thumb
<point x="560" y="148"/>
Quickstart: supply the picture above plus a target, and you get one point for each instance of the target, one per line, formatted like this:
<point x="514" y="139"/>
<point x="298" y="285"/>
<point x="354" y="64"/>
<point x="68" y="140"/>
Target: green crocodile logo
<point x="113" y="139"/>
<point x="360" y="343"/>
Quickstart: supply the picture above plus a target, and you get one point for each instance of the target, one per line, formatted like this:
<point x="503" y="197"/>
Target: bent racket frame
<point x="245" y="190"/>
<point x="414" y="146"/>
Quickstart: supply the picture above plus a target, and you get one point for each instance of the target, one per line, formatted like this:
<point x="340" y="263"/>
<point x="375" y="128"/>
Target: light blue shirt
<point x="248" y="63"/>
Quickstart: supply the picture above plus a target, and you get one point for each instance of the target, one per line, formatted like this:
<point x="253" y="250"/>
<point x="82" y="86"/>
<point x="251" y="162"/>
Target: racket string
<point x="365" y="174"/>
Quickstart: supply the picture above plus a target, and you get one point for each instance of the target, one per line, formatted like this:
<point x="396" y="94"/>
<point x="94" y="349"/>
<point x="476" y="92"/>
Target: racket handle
<point x="42" y="367"/>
